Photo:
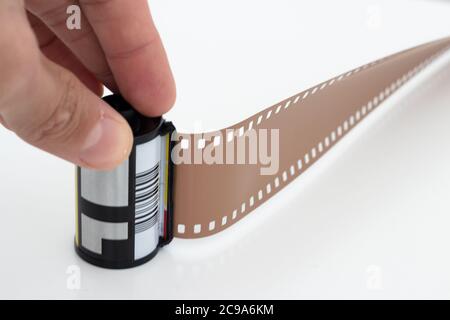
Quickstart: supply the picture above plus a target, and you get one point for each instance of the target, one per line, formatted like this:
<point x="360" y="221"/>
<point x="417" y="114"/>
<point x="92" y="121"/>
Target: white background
<point x="369" y="220"/>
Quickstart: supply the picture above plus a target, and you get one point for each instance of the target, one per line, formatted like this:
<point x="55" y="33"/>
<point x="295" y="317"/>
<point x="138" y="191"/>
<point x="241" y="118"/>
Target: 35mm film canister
<point x="124" y="215"/>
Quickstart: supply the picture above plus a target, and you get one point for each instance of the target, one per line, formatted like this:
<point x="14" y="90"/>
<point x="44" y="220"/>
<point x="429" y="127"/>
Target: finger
<point x="82" y="42"/>
<point x="56" y="51"/>
<point x="47" y="106"/>
<point x="134" y="52"/>
<point x="61" y="116"/>
<point x="3" y="123"/>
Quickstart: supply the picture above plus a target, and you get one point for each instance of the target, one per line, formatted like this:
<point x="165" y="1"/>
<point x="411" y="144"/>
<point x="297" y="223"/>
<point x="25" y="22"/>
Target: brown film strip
<point x="210" y="198"/>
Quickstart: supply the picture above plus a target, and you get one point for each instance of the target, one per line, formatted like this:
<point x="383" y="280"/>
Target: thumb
<point x="48" y="107"/>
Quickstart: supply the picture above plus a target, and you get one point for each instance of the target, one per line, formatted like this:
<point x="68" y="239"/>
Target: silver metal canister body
<point x="122" y="215"/>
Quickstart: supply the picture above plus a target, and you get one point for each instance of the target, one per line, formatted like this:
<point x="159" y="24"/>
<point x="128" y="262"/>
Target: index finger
<point x="134" y="51"/>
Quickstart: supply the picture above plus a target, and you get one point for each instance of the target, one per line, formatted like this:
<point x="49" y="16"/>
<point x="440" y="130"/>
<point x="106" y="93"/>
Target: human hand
<point x="51" y="77"/>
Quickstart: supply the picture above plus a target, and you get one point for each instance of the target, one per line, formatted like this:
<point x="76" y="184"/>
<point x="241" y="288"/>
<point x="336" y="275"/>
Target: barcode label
<point x="147" y="199"/>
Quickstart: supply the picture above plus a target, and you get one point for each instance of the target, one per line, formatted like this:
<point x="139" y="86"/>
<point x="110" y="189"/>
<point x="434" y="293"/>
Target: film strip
<point x="210" y="198"/>
<point x="206" y="198"/>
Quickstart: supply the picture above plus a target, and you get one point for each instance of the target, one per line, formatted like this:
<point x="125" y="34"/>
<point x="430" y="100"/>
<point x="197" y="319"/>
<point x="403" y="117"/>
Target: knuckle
<point x="65" y="118"/>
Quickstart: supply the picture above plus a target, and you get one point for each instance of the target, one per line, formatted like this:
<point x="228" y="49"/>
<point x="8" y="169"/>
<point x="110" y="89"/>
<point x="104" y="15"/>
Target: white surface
<point x="369" y="220"/>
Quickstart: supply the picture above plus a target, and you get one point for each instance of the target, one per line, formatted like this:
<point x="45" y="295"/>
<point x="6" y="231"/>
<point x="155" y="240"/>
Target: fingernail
<point x="107" y="145"/>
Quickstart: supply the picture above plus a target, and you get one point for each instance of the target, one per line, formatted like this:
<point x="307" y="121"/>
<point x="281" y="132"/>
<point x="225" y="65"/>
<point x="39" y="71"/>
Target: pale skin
<point x="51" y="77"/>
